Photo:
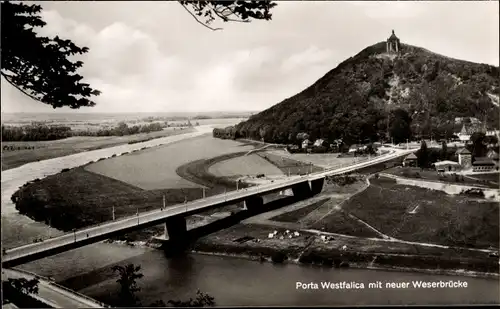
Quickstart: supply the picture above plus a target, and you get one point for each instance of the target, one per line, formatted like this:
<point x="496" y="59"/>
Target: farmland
<point x="421" y="215"/>
<point x="485" y="180"/>
<point x="324" y="160"/>
<point x="156" y="168"/>
<point x="252" y="165"/>
<point x="52" y="149"/>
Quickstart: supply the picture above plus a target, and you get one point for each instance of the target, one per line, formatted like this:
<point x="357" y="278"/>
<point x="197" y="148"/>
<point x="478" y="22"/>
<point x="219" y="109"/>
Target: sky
<point x="154" y="57"/>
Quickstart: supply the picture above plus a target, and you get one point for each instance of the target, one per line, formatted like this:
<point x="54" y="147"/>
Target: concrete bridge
<point x="174" y="217"/>
<point x="53" y="294"/>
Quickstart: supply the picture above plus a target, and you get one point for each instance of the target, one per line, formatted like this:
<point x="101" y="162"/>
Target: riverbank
<point x="342" y="251"/>
<point x="45" y="150"/>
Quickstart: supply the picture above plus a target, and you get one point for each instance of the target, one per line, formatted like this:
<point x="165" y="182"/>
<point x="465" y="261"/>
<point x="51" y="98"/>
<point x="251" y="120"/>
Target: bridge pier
<point x="316" y="186"/>
<point x="176" y="229"/>
<point x="253" y="203"/>
<point x="302" y="191"/>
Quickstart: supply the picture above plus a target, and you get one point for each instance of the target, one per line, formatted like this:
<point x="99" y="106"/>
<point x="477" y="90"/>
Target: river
<point x="232" y="281"/>
<point x="239" y="282"/>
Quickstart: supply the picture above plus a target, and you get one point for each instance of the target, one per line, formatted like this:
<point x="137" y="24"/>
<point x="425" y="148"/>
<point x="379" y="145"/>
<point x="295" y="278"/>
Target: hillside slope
<point x="362" y="98"/>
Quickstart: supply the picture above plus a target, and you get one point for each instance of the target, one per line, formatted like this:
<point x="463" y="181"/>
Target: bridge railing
<point x="121" y="220"/>
<point x="51" y="282"/>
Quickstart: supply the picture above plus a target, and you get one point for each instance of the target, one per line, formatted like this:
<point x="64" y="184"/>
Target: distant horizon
<point x="139" y="68"/>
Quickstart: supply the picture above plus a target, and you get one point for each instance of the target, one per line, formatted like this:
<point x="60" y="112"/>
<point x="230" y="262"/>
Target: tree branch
<point x="226" y="17"/>
<point x="19" y="88"/>
<point x="197" y="20"/>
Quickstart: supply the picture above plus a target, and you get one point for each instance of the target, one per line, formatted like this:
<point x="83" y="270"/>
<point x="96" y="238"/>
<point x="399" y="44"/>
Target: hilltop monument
<point x="393" y="45"/>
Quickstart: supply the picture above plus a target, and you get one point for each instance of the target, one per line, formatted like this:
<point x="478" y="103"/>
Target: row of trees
<point x="20" y="291"/>
<point x="128" y="276"/>
<point x="478" y="148"/>
<point x="123" y="129"/>
<point x="47" y="133"/>
<point x="226" y="133"/>
<point x="35" y="132"/>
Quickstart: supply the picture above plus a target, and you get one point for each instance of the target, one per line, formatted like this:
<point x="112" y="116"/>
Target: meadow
<point x="250" y="165"/>
<point x="421" y="215"/>
<point x="155" y="168"/>
<point x="324" y="160"/>
<point x="44" y="150"/>
<point x="485" y="180"/>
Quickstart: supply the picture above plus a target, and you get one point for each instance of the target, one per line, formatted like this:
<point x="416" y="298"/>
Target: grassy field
<point x="426" y="174"/>
<point x="52" y="149"/>
<point x="155" y="168"/>
<point x="421" y="215"/>
<point x="324" y="160"/>
<point x="78" y="198"/>
<point x="287" y="165"/>
<point x="296" y="215"/>
<point x="250" y="165"/>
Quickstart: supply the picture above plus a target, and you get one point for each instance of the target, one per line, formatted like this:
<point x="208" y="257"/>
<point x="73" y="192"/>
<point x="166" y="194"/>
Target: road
<point x="95" y="233"/>
<point x="53" y="294"/>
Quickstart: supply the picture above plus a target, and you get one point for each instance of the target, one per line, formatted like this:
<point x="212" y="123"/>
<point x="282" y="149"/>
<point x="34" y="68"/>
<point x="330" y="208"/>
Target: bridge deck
<point x="30" y="252"/>
<point x="53" y="294"/>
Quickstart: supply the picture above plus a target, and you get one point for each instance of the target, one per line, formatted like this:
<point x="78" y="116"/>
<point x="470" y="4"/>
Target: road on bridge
<point x="52" y="294"/>
<point x="159" y="216"/>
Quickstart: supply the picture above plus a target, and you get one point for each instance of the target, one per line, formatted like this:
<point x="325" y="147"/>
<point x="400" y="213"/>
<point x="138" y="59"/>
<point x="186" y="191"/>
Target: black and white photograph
<point x="249" y="153"/>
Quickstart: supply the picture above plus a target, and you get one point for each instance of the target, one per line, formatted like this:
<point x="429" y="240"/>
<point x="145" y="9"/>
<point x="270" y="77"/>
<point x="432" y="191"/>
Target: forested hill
<point x="375" y="95"/>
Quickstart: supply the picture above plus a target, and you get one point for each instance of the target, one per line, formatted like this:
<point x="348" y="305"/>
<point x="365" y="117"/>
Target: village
<point x="473" y="149"/>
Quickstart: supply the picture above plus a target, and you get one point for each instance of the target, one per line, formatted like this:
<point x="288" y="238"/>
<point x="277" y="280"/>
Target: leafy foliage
<point x="23" y="285"/>
<point x="371" y="96"/>
<point x="128" y="282"/>
<point x="20" y="293"/>
<point x="41" y="67"/>
<point x="423" y="155"/>
<point x="205" y="12"/>
<point x="201" y="300"/>
<point x="41" y="132"/>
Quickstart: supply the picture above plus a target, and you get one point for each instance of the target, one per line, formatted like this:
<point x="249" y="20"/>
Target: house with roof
<point x="493" y="155"/>
<point x="464" y="157"/>
<point x="410" y="160"/>
<point x="484" y="164"/>
<point x="447" y="166"/>
<point x="319" y="142"/>
<point x="468" y="129"/>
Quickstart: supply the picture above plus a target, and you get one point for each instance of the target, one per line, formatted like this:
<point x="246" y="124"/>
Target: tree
<point x="40" y="66"/>
<point x="228" y="11"/>
<point x="423" y="155"/>
<point x="400" y="127"/>
<point x="128" y="282"/>
<point x="479" y="147"/>
<point x="444" y="150"/>
<point x="202" y="300"/>
<point x="24" y="286"/>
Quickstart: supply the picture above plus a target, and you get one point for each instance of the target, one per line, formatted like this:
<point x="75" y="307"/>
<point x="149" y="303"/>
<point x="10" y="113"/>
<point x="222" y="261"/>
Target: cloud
<point x="154" y="57"/>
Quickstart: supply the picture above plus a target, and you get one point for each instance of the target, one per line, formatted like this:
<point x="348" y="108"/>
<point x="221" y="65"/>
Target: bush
<point x="278" y="257"/>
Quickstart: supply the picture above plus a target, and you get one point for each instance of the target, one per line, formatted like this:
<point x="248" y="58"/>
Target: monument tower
<point x="393" y="45"/>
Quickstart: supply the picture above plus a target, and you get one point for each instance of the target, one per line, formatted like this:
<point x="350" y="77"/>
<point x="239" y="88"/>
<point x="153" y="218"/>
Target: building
<point x="493" y="155"/>
<point x="305" y="143"/>
<point x="468" y="129"/>
<point x="393" y="44"/>
<point x="464" y="157"/>
<point x="484" y="164"/>
<point x="447" y="166"/>
<point x="410" y="160"/>
<point x="319" y="142"/>
<point x="356" y="147"/>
